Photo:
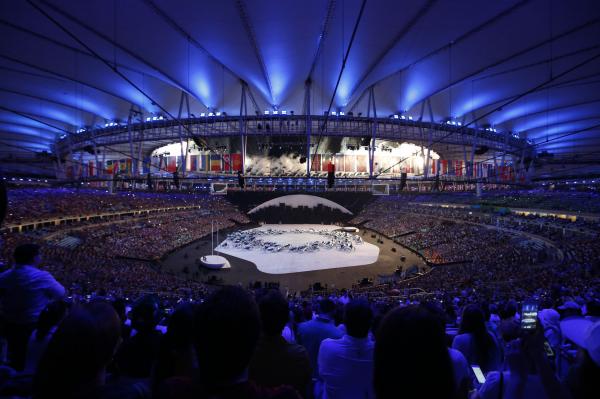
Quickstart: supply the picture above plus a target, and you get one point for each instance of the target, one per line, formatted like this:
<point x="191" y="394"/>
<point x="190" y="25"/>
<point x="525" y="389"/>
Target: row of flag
<point x="343" y="163"/>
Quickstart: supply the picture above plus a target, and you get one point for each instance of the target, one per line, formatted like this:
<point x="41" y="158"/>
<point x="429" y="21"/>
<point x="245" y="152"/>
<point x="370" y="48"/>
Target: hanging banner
<point x="215" y="162"/>
<point x="236" y="162"/>
<point x="226" y="162"/>
<point x="193" y="163"/>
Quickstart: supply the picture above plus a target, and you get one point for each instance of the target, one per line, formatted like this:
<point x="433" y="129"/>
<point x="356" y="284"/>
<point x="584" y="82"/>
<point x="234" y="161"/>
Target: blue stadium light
<point x="342" y="113"/>
<point x="275" y="112"/>
<point x="211" y="114"/>
<point x="283" y="112"/>
<point x="266" y="112"/>
<point x="154" y="118"/>
<point x="396" y="116"/>
<point x="333" y="113"/>
<point x="410" y="117"/>
<point x="202" y="114"/>
<point x="218" y="113"/>
<point x="148" y="119"/>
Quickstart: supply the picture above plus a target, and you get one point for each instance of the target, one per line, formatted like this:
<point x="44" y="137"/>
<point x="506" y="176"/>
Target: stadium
<point x="299" y="199"/>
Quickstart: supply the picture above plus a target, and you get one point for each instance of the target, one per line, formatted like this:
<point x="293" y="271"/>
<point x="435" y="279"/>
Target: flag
<point x="146" y="165"/>
<point x="204" y="161"/>
<point x="171" y="163"/>
<point x="397" y="168"/>
<point x="226" y="162"/>
<point x="339" y="163"/>
<point x="215" y="162"/>
<point x="193" y="163"/>
<point x="325" y="160"/>
<point x="350" y="163"/>
<point x="315" y="163"/>
<point x="361" y="163"/>
<point x="236" y="162"/>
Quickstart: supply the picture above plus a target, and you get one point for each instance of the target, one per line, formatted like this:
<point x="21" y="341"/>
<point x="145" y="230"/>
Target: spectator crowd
<point x="101" y="321"/>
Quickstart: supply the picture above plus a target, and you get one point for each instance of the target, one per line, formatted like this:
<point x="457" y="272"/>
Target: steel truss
<point x="293" y="125"/>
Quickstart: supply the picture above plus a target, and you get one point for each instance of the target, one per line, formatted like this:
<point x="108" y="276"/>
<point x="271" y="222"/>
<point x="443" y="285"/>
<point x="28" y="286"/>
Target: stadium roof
<point x="525" y="66"/>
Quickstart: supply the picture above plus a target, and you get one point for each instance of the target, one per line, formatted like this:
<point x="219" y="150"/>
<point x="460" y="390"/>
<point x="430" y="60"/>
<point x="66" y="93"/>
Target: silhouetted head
<point x="274" y="312"/>
<point x="358" y="318"/>
<point x="227" y="327"/>
<point x="411" y="357"/>
<point x="326" y="307"/>
<point x="27" y="254"/>
<point x="84" y="343"/>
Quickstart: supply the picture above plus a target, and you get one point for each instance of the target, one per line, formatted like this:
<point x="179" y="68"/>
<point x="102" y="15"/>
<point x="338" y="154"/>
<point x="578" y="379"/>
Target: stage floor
<point x="293" y="262"/>
<point x="183" y="263"/>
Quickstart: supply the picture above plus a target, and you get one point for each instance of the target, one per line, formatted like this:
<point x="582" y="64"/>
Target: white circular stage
<point x="292" y="248"/>
<point x="214" y="262"/>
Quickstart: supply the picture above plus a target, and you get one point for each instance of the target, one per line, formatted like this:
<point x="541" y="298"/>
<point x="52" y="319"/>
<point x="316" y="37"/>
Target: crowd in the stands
<point x="111" y="258"/>
<point x="440" y="240"/>
<point x="573" y="201"/>
<point x="237" y="343"/>
<point x="32" y="204"/>
<point x="85" y="322"/>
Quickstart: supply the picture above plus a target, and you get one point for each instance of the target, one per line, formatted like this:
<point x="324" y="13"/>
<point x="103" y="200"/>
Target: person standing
<point x="311" y="333"/>
<point x="25" y="291"/>
<point x="275" y="361"/>
<point x="346" y="364"/>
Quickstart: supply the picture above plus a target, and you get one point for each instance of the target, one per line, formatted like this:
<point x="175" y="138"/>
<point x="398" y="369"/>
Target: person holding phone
<point x="475" y="342"/>
<point x="529" y="373"/>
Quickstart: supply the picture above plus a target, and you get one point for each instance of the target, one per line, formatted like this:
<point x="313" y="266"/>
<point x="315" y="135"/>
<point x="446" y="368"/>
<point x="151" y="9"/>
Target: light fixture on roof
<point x="283" y="112"/>
<point x="333" y="113"/>
<point x="395" y="116"/>
<point x="202" y="114"/>
<point x="342" y="113"/>
<point x="275" y="112"/>
<point x="218" y="113"/>
<point x="267" y="112"/>
<point x="211" y="114"/>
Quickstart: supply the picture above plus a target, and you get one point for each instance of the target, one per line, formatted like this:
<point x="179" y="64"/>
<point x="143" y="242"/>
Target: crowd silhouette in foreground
<point x="85" y="322"/>
<point x="238" y="343"/>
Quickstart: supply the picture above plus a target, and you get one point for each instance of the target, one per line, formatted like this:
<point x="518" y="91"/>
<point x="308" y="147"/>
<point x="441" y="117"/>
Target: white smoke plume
<point x="283" y="165"/>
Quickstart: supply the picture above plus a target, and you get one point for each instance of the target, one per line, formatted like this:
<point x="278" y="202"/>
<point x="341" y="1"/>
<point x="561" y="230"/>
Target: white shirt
<point x="346" y="368"/>
<point x="25" y="291"/>
<point x="533" y="388"/>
